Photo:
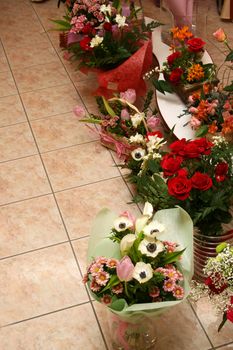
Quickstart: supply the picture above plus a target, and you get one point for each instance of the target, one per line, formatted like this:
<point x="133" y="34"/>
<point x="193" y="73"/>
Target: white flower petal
<point x="150" y="247"/>
<point x="142" y="272"/>
<point x="122" y="223"/>
<point x="153" y="229"/>
<point x="138" y="154"/>
<point x="141" y="223"/>
<point x="148" y="209"/>
<point x="126" y="243"/>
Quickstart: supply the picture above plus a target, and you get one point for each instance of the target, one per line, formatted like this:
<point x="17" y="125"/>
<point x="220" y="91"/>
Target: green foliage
<point x="229" y="57"/>
<point x="162" y="86"/>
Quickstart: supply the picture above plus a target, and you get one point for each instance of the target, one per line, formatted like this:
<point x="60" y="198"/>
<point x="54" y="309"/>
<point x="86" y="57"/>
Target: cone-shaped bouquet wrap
<point x="139" y="268"/>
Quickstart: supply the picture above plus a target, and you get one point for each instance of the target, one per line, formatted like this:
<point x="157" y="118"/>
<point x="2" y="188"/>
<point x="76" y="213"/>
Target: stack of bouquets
<point x="194" y="174"/>
<point x="121" y="122"/>
<point x="184" y="70"/>
<point x="110" y="37"/>
<point x="218" y="285"/>
<point x="139" y="268"/>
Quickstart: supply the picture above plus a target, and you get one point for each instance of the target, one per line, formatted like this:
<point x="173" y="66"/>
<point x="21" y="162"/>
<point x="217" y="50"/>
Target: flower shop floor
<point x="54" y="177"/>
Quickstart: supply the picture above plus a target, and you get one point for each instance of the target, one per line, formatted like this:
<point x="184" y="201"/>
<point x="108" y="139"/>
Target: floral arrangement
<point x="184" y="65"/>
<point x="218" y="285"/>
<point x="140" y="266"/>
<point x="121" y="122"/>
<point x="103" y="34"/>
<point x="194" y="174"/>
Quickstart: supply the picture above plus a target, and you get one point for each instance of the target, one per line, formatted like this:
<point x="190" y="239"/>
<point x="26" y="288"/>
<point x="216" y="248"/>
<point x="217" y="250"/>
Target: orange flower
<point x="227" y="126"/>
<point x="195" y="72"/>
<point x="206" y="88"/>
<point x="220" y="35"/>
<point x="213" y="127"/>
<point x="181" y="33"/>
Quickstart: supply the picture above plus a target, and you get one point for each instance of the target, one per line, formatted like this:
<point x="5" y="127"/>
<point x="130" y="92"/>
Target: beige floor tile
<point x="86" y="89"/>
<point x="21" y="179"/>
<point x="177" y="329"/>
<point x="11" y="110"/>
<point x="47" y="280"/>
<point x="72" y="329"/>
<point x="80" y="248"/>
<point x="79" y="206"/>
<point x="7" y="84"/>
<point x="226" y="347"/>
<point x="211" y="321"/>
<point x="16" y="141"/>
<point x="4" y="66"/>
<point x="79" y="165"/>
<point x="19" y="39"/>
<point x="61" y="131"/>
<point x="29" y="225"/>
<point x="40" y="76"/>
<point x="42" y="53"/>
<point x="50" y="101"/>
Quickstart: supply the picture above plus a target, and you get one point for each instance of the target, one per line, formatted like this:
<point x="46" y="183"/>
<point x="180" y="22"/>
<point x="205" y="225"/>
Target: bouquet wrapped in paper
<point x="139" y="268"/>
<point x="121" y="122"/>
<point x="111" y="38"/>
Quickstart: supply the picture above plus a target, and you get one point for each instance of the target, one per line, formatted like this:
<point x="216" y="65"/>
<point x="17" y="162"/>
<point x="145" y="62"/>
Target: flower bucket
<point x="204" y="248"/>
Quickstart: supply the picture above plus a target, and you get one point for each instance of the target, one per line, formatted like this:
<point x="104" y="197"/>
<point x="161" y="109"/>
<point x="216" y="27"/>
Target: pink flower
<point x="227" y="105"/>
<point x="85" y="278"/>
<point x="170" y="246"/>
<point x="153" y="122"/>
<point x="129" y="95"/>
<point x="129" y="216"/>
<point x="95" y="287"/>
<point x="107" y="300"/>
<point x="169" y="285"/>
<point x="178" y="292"/>
<point x="220" y="35"/>
<point x="118" y="289"/>
<point x="171" y="274"/>
<point x="194" y="122"/>
<point x="193" y="110"/>
<point x="101" y="260"/>
<point x="66" y="56"/>
<point x="154" y="292"/>
<point x="111" y="263"/>
<point x="125" y="114"/>
<point x="125" y="269"/>
<point x="79" y="111"/>
<point x="102" y="278"/>
<point x="96" y="268"/>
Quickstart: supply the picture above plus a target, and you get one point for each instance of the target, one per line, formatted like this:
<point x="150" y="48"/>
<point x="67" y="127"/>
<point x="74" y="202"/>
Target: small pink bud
<point x="153" y="122"/>
<point x="79" y="111"/>
<point x="129" y="95"/>
<point x="125" y="114"/>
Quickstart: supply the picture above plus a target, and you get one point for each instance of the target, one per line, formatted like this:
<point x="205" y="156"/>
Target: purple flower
<point x="125" y="269"/>
<point x="125" y="10"/>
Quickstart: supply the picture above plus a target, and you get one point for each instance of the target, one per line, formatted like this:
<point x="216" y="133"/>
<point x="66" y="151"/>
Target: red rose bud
<point x="221" y="171"/>
<point x="84" y="44"/>
<point x="209" y="282"/>
<point x="195" y="44"/>
<point x="171" y="58"/>
<point x="171" y="164"/>
<point x="201" y="181"/>
<point x="175" y="75"/>
<point x="107" y="26"/>
<point x="154" y="133"/>
<point x="179" y="187"/>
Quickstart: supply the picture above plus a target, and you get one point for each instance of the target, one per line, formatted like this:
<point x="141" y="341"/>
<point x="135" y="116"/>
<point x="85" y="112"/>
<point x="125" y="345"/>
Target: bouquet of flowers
<point x="138" y="268"/>
<point x="104" y="34"/>
<point x="218" y="285"/>
<point x="184" y="70"/>
<point x="196" y="175"/>
<point x="121" y="122"/>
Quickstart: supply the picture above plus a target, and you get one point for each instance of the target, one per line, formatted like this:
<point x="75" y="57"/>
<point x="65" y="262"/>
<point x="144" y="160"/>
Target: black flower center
<point x="142" y="274"/>
<point x="138" y="155"/>
<point x="122" y="225"/>
<point x="154" y="231"/>
<point x="151" y="247"/>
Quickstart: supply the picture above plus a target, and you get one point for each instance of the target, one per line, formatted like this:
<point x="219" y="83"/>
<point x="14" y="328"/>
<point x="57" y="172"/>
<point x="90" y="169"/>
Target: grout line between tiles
<point x="221" y="346"/>
<point x="45" y="314"/>
<point x="8" y="125"/>
<point x="23" y="157"/>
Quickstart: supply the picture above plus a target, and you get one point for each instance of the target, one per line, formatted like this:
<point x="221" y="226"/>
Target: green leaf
<point x="90" y="120"/>
<point x="229" y="57"/>
<point x="63" y="25"/>
<point x="108" y="108"/>
<point x="172" y="257"/>
<point x="162" y="86"/>
<point x="114" y="280"/>
<point x="224" y="319"/>
<point x="202" y="130"/>
<point x="229" y="87"/>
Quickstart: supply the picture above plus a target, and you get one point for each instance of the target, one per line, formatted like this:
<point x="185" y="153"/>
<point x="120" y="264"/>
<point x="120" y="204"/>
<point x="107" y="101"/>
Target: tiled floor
<point x="54" y="177"/>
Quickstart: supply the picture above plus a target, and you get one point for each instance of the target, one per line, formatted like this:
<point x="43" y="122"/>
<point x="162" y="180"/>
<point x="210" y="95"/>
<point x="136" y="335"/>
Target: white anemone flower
<point x="150" y="247"/>
<point x="142" y="272"/>
<point x="137" y="118"/>
<point x="122" y="223"/>
<point x="126" y="243"/>
<point x="120" y="20"/>
<point x="148" y="209"/>
<point x="96" y="41"/>
<point x="138" y="154"/>
<point x="138" y="138"/>
<point x="153" y="229"/>
<point x="106" y="9"/>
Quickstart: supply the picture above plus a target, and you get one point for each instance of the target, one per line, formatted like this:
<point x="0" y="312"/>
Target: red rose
<point x="217" y="290"/>
<point x="88" y="29"/>
<point x="179" y="187"/>
<point x="175" y="75"/>
<point x="177" y="147"/>
<point x="201" y="181"/>
<point x="171" y="164"/>
<point x="221" y="171"/>
<point x="192" y="150"/>
<point x="230" y="310"/>
<point x="84" y="44"/>
<point x="154" y="133"/>
<point x="107" y="26"/>
<point x="182" y="172"/>
<point x="204" y="145"/>
<point x="195" y="44"/>
<point x="171" y="58"/>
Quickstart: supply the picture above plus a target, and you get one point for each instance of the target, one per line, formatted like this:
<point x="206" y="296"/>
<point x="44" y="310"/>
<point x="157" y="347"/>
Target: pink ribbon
<point x="182" y="11"/>
<point x="121" y="331"/>
<point x="121" y="148"/>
